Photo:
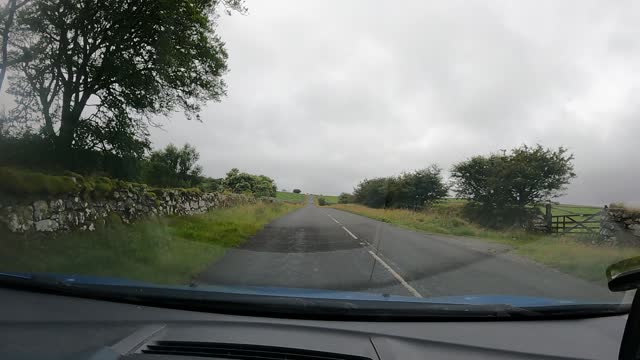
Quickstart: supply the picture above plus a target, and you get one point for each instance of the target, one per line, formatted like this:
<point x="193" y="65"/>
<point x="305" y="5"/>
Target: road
<point x="324" y="248"/>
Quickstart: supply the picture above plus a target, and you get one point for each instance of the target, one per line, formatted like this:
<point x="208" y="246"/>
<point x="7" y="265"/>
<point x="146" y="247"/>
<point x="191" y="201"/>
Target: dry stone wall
<point x="620" y="226"/>
<point x="75" y="212"/>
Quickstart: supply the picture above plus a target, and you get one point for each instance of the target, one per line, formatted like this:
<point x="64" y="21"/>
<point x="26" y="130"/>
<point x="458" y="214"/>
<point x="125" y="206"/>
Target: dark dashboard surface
<point x="43" y="326"/>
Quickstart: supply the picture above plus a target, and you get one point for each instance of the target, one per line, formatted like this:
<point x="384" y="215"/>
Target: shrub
<point x="503" y="188"/>
<point x="207" y="184"/>
<point x="498" y="218"/>
<point x="244" y="183"/>
<point x="173" y="167"/>
<point x="322" y="201"/>
<point x="523" y="177"/>
<point x="414" y="190"/>
<point x="345" y="198"/>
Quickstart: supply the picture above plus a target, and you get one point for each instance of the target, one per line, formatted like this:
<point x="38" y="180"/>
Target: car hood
<point x="467" y="299"/>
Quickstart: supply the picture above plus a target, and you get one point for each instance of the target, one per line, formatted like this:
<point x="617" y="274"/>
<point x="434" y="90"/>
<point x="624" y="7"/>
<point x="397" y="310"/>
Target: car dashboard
<point x="46" y="326"/>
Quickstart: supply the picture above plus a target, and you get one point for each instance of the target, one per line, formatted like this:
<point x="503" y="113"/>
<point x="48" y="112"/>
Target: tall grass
<point x="572" y="255"/>
<point x="169" y="250"/>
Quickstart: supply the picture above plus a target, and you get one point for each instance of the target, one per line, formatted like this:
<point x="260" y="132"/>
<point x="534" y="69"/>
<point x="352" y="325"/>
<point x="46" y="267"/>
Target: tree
<point x="94" y="72"/>
<point x="373" y="192"/>
<point x="264" y="186"/>
<point x="345" y="198"/>
<point x="420" y="188"/>
<point x="296" y="191"/>
<point x="525" y="176"/>
<point x="241" y="182"/>
<point x="8" y="15"/>
<point x="173" y="167"/>
<point x="413" y="190"/>
<point x="208" y="184"/>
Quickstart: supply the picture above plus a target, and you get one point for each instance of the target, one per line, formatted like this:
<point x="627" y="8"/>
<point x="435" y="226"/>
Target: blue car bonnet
<point x="475" y="299"/>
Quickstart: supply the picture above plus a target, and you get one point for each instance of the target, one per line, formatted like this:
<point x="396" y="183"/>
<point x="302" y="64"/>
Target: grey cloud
<point x="323" y="94"/>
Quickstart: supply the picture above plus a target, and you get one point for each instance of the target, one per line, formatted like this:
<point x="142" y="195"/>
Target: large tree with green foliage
<point x="173" y="167"/>
<point x="522" y="177"/>
<point x="93" y="73"/>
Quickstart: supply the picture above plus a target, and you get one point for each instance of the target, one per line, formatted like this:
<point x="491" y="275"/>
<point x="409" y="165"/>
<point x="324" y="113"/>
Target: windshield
<point x="468" y="153"/>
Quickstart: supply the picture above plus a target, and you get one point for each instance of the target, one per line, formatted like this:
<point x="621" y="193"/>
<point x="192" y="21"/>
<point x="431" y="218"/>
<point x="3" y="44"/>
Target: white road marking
<point x="402" y="282"/>
<point x="337" y="222"/>
<point x="406" y="285"/>
<point x="350" y="233"/>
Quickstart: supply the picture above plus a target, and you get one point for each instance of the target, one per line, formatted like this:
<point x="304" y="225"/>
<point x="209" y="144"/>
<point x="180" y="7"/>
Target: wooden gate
<point x="588" y="224"/>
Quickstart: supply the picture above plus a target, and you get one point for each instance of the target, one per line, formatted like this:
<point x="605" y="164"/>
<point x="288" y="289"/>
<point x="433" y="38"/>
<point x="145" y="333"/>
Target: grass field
<point x="564" y="209"/>
<point x="577" y="213"/>
<point x="331" y="199"/>
<point x="288" y="196"/>
<point x="569" y="254"/>
<point x="168" y="250"/>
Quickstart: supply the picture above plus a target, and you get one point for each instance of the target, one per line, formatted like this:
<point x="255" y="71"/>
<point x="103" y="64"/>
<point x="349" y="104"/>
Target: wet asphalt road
<point x="324" y="248"/>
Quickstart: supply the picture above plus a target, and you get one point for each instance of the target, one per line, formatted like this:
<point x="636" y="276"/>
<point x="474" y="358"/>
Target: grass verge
<point x="568" y="254"/>
<point x="169" y="250"/>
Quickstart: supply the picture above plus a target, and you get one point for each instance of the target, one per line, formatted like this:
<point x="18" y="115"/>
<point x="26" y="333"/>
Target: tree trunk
<point x="64" y="142"/>
<point x="11" y="6"/>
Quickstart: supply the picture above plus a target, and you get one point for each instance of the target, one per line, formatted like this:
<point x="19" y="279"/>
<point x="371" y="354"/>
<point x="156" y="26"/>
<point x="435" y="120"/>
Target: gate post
<point x="547" y="217"/>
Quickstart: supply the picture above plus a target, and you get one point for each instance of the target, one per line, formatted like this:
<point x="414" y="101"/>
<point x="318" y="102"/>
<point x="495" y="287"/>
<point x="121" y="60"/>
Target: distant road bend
<point x="324" y="248"/>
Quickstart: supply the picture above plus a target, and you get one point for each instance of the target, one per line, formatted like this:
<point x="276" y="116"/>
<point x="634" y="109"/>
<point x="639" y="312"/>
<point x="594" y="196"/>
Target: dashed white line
<point x="397" y="276"/>
<point x="406" y="285"/>
<point x="350" y="233"/>
<point x="337" y="222"/>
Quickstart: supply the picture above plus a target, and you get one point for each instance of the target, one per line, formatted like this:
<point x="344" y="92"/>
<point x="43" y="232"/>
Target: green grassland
<point x="170" y="250"/>
<point x="289" y="196"/>
<point x="330" y="199"/>
<point x="570" y="254"/>
<point x="565" y="209"/>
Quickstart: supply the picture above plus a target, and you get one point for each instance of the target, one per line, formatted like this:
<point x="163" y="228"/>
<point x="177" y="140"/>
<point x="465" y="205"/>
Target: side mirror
<point x="623" y="276"/>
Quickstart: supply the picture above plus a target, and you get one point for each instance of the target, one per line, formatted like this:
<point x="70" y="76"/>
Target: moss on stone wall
<point x="21" y="182"/>
<point x="24" y="182"/>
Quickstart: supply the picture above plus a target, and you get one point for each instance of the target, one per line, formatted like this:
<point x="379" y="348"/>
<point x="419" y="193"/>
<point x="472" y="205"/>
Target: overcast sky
<point x="322" y="94"/>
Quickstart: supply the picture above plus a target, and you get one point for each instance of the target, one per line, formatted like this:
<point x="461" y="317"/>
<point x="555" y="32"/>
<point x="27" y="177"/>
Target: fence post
<point x="547" y="217"/>
<point x="605" y="233"/>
